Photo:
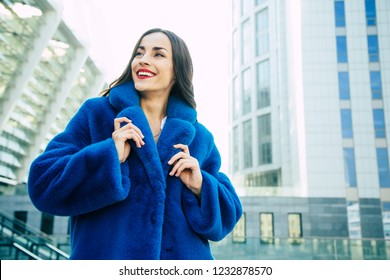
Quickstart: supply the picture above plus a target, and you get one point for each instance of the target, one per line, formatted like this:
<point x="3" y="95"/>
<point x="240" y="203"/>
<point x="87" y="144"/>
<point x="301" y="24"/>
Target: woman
<point x="135" y="171"/>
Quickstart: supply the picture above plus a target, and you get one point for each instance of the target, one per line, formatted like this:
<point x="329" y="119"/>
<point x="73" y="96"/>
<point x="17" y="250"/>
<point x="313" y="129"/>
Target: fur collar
<point x="179" y="128"/>
<point x="125" y="95"/>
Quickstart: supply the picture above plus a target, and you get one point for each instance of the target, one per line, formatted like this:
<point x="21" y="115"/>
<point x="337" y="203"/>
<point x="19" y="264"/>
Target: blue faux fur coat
<point x="133" y="210"/>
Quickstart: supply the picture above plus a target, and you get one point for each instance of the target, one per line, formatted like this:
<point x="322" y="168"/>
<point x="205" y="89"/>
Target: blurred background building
<point x="45" y="75"/>
<point x="309" y="119"/>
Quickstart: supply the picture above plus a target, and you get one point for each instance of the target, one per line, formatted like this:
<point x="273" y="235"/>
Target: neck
<point x="154" y="108"/>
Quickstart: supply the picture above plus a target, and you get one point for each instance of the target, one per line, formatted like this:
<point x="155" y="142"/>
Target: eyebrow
<point x="154" y="48"/>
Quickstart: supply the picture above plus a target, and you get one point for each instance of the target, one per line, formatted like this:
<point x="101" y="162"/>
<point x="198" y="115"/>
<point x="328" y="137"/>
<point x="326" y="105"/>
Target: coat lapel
<point x="178" y="129"/>
<point x="148" y="153"/>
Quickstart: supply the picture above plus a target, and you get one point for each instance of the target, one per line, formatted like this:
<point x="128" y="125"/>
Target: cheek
<point x="171" y="73"/>
<point x="132" y="69"/>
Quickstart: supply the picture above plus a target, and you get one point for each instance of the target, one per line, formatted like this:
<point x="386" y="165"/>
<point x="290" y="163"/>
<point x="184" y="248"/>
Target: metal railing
<point x="19" y="241"/>
<point x="307" y="248"/>
<point x="25" y="252"/>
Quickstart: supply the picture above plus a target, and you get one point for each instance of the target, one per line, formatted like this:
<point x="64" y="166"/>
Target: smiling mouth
<point x="144" y="74"/>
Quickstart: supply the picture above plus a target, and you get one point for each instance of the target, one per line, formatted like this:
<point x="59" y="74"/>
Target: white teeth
<point x="145" y="74"/>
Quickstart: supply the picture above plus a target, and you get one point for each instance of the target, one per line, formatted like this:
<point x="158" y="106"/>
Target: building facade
<point x="309" y="118"/>
<point x="45" y="75"/>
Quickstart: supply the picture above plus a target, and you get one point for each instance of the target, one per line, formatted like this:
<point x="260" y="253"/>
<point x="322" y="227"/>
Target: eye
<point x="138" y="54"/>
<point x="159" y="54"/>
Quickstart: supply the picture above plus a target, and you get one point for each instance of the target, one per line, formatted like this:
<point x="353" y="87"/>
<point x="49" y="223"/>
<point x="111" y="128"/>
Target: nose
<point x="144" y="60"/>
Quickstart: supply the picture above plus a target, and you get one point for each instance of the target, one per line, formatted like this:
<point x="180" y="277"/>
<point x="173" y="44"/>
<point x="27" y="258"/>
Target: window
<point x="295" y="228"/>
<point x="376" y="84"/>
<point x="246" y="92"/>
<point x="258" y="2"/>
<point x="248" y="144"/>
<point x="353" y="214"/>
<point x="346" y="123"/>
<point x="267" y="228"/>
<point x="47" y="223"/>
<point x="245" y="42"/>
<point x="262" y="33"/>
<point x="263" y="179"/>
<point x="235" y="52"/>
<point x="263" y="85"/>
<point x="344" y="85"/>
<point x="245" y="7"/>
<point x="339" y="10"/>
<point x="342" y="54"/>
<point x="379" y="123"/>
<point x="235" y="149"/>
<point x="264" y="139"/>
<point x="266" y="153"/>
<point x="236" y="99"/>
<point x="383" y="167"/>
<point x="264" y="125"/>
<point x="370" y="13"/>
<point x="236" y="11"/>
<point x="386" y="219"/>
<point x="20" y="220"/>
<point x="349" y="167"/>
<point x="239" y="231"/>
<point x="373" y="48"/>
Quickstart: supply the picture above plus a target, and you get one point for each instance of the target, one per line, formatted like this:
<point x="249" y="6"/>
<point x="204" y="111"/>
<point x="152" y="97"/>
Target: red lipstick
<point x="143" y="73"/>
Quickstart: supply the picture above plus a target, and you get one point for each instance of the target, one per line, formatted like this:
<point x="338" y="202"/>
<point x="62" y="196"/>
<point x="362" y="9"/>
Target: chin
<point x="140" y="87"/>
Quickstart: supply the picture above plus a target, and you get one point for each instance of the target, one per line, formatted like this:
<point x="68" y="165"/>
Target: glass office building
<point x="309" y="119"/>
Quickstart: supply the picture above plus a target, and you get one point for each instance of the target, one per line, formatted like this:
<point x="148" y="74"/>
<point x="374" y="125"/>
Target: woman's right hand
<point x="125" y="132"/>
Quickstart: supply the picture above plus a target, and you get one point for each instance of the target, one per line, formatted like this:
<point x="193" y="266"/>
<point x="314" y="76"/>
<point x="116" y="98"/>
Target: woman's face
<point x="152" y="67"/>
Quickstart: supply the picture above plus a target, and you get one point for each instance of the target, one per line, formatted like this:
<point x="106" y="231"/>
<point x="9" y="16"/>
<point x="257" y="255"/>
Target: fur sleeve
<point x="74" y="176"/>
<point x="219" y="208"/>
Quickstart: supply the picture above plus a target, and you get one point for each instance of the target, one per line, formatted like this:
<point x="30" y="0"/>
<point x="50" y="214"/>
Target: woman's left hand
<point x="187" y="169"/>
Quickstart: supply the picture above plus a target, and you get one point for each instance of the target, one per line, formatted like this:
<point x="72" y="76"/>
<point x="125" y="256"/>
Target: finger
<point x="131" y="127"/>
<point x="184" y="164"/>
<point x="135" y="128"/>
<point x="118" y="121"/>
<point x="182" y="147"/>
<point x="138" y="134"/>
<point x="129" y="135"/>
<point x="176" y="167"/>
<point x="134" y="135"/>
<point x="176" y="157"/>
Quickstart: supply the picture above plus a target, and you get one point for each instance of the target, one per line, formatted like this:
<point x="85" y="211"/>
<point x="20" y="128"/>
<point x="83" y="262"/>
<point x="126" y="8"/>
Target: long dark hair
<point x="182" y="67"/>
